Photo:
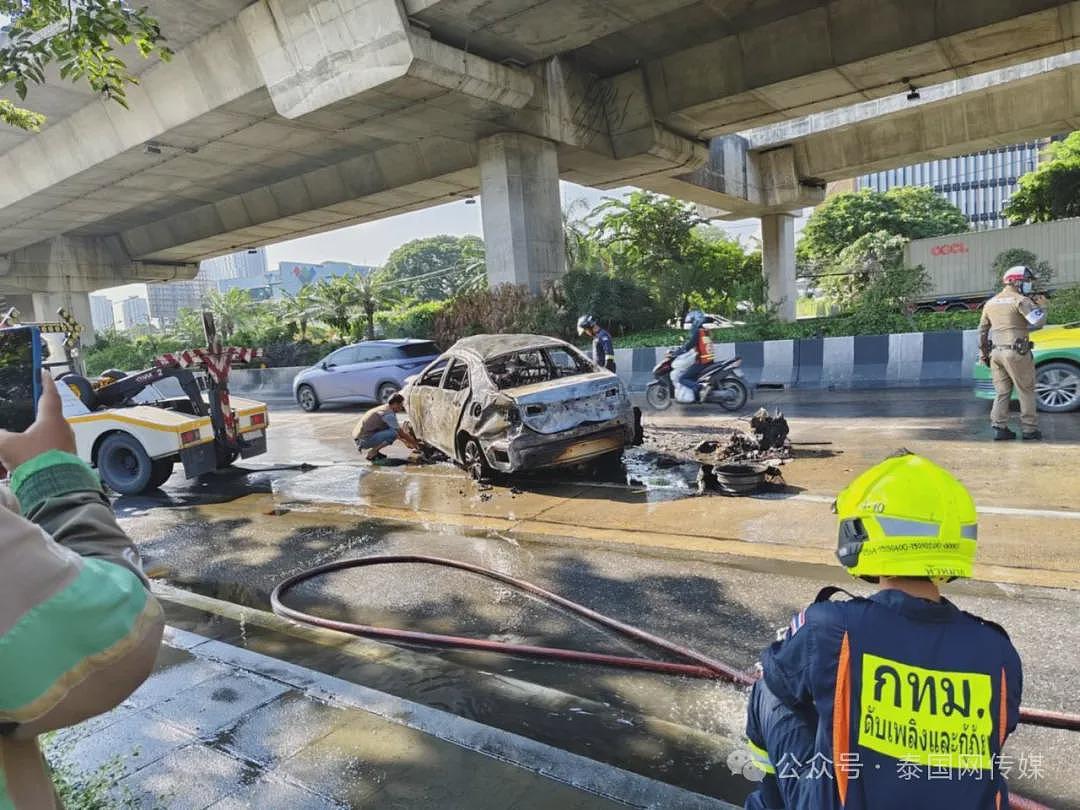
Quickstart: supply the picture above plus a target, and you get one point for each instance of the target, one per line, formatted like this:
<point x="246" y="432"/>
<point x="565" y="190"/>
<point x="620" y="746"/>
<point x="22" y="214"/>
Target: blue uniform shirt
<point x="912" y="702"/>
<point x="602" y="348"/>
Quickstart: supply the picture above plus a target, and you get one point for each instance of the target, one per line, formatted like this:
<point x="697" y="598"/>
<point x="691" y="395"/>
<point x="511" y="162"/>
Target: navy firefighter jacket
<point x="913" y="701"/>
<point x="603" y="348"/>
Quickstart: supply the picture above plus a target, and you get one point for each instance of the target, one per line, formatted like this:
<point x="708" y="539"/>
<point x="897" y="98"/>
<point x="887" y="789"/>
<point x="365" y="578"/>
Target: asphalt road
<point x="716" y="574"/>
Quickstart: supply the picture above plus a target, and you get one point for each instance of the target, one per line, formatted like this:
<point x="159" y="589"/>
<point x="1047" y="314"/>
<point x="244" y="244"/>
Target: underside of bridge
<point x="282" y="118"/>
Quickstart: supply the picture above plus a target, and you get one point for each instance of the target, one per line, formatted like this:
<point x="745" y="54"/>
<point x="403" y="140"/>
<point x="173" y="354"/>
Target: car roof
<point x="389" y="342"/>
<point x="486" y="347"/>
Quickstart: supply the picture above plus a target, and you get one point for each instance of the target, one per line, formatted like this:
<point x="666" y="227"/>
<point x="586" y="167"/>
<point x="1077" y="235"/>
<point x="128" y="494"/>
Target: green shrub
<point x="116" y="350"/>
<point x="1064" y="306"/>
<point x="416" y="321"/>
<point x="621" y="305"/>
<point x="504" y="310"/>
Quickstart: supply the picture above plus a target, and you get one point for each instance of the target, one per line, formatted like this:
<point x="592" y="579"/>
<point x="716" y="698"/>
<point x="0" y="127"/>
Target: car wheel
<point x="124" y="465"/>
<point x="305" y="395"/>
<point x="1057" y="387"/>
<point x="82" y="388"/>
<point x="474" y="460"/>
<point x="161" y="470"/>
<point x="387" y="390"/>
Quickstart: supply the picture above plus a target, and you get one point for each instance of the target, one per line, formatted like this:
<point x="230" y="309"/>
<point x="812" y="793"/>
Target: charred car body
<point x="518" y="402"/>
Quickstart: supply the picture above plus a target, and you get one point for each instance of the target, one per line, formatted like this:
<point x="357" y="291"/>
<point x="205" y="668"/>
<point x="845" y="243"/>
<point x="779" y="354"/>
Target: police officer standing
<point x="603" y="349"/>
<point x="900" y="700"/>
<point x="1005" y="345"/>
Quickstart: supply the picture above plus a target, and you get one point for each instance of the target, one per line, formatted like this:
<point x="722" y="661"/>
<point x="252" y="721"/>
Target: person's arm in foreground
<point x="78" y="629"/>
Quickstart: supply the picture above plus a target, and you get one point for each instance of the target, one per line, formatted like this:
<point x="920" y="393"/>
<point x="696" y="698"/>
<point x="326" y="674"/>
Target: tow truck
<point x="134" y="433"/>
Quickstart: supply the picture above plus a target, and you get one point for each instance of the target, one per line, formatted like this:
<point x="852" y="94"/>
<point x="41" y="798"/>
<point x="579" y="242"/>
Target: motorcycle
<point x="720" y="383"/>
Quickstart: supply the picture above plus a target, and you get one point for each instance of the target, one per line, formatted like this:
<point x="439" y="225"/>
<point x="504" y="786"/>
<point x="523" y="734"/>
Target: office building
<point x="979" y="184"/>
<point x="101" y="313"/>
<point x="134" y="311"/>
<point x="166" y="300"/>
<point x="245" y="264"/>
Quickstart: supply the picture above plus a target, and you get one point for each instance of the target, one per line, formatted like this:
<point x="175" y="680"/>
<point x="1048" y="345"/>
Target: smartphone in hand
<point x="20" y="377"/>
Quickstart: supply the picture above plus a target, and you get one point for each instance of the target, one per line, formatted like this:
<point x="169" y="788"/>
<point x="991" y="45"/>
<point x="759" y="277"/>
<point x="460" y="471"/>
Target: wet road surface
<point x="714" y="573"/>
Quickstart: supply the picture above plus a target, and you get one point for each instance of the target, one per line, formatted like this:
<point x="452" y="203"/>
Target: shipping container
<point x="960" y="266"/>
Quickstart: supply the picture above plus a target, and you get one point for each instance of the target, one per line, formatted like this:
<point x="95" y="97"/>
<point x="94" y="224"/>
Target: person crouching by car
<point x="379" y="429"/>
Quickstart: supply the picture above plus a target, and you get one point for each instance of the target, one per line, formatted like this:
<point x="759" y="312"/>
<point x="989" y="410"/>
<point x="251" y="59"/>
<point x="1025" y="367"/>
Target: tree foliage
<point x="1051" y="191"/>
<point x="438" y="267"/>
<point x="1044" y="272"/>
<point x="80" y="38"/>
<point x="910" y="212"/>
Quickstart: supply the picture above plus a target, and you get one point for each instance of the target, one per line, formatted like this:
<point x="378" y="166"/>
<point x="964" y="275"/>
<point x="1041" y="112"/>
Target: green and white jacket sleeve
<point x="78" y="629"/>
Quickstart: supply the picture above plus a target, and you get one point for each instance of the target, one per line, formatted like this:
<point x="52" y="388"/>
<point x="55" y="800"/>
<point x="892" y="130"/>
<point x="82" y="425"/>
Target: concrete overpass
<point x="280" y="118"/>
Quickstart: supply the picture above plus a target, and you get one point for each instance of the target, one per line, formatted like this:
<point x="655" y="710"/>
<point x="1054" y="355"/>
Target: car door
<point x="361" y="376"/>
<point x="333" y="383"/>
<point x="422" y="398"/>
<point x="446" y="404"/>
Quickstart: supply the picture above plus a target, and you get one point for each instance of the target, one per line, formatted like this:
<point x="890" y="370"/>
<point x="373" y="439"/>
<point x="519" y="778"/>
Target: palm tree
<point x="230" y="310"/>
<point x="298" y="310"/>
<point x="374" y="292"/>
<point x="333" y="302"/>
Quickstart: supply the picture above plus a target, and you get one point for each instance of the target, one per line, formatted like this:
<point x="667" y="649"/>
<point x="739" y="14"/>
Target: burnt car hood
<point x="558" y="405"/>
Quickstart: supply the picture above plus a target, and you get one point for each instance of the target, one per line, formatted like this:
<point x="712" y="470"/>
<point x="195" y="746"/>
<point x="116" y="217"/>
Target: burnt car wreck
<point x="511" y="403"/>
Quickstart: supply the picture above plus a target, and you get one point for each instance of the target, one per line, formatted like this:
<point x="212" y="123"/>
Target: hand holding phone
<point x="49" y="431"/>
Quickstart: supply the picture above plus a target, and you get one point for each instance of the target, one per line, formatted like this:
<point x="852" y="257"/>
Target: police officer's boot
<point x="1034" y="436"/>
<point x="1003" y="434"/>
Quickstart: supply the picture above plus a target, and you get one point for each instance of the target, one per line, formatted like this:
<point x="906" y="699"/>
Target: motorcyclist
<point x="698" y="342"/>
<point x="899" y="700"/>
<point x="603" y="348"/>
<point x="1005" y="345"/>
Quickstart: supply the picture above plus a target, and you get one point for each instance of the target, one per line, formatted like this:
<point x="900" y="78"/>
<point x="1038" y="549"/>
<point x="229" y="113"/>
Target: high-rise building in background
<point x="979" y="184"/>
<point x="290" y="277"/>
<point x="245" y="264"/>
<point x="101" y="313"/>
<point x="166" y="300"/>
<point x="134" y="311"/>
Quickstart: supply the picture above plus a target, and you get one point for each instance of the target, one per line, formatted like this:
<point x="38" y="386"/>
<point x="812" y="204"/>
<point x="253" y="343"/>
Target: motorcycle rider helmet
<point x="906" y="517"/>
<point x="585" y="322"/>
<point x="694" y="319"/>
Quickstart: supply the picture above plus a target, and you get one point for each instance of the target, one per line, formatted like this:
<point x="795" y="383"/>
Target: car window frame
<point x="446" y="376"/>
<point x="328" y="362"/>
<point x="420" y="378"/>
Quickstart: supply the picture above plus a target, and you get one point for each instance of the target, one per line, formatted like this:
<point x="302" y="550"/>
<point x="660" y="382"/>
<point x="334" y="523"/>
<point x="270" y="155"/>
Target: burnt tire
<point x="124" y="465"/>
<point x="658" y="396"/>
<point x="161" y="470"/>
<point x="307" y="399"/>
<point x="474" y="461"/>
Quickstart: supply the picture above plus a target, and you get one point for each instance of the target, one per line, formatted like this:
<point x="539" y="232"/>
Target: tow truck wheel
<point x="305" y="395"/>
<point x="124" y="465"/>
<point x="160" y="471"/>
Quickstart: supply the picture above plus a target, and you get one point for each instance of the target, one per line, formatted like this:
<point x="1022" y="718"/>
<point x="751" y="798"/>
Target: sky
<point x="371" y="243"/>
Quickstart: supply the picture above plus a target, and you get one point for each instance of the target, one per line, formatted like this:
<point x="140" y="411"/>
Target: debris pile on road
<point x="767" y="443"/>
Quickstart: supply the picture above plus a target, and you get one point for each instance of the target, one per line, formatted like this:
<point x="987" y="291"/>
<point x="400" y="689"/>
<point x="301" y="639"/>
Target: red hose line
<point x="702" y="666"/>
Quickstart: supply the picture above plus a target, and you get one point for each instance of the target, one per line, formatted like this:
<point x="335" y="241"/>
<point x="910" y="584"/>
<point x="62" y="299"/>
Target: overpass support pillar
<point x="522" y="210"/>
<point x="778" y="262"/>
<point x="77" y="303"/>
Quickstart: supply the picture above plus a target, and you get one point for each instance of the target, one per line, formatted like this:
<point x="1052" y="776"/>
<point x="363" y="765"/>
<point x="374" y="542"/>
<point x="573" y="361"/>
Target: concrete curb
<point x="910" y="360"/>
<point x="581" y="773"/>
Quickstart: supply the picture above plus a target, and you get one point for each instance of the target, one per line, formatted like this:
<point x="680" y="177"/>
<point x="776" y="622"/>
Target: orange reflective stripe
<point x="841" y="728"/>
<point x="997" y="800"/>
<point x="1003" y="710"/>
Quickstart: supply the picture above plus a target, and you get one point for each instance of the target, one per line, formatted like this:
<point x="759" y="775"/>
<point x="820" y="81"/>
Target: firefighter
<point x="603" y="348"/>
<point x="1005" y="345"/>
<point x="901" y="699"/>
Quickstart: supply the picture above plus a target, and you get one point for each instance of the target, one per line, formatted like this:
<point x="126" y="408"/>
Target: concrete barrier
<point x="916" y="359"/>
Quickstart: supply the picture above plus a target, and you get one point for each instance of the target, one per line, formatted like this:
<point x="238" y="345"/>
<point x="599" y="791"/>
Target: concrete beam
<point x="66" y="264"/>
<point x="840" y="52"/>
<point x="315" y="55"/>
<point x="382" y="183"/>
<point x="1043" y="105"/>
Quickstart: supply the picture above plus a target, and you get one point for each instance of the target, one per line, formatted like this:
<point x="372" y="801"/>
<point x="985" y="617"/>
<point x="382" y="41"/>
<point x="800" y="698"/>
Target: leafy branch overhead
<point x="80" y="38"/>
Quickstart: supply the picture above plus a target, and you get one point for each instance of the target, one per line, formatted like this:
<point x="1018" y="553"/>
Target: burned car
<point x="520" y="402"/>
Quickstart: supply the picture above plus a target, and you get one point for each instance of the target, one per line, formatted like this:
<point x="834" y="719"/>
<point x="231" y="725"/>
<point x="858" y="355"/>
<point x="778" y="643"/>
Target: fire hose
<point x="697" y="666"/>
